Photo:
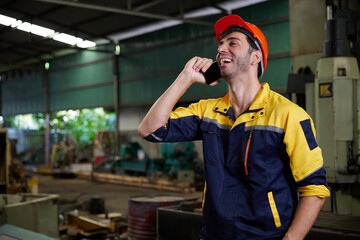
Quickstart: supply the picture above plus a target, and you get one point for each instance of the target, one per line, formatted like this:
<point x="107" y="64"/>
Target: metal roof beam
<point x="126" y="12"/>
<point x="29" y="46"/>
<point x="6" y="4"/>
<point x="223" y="10"/>
<point x="148" y="5"/>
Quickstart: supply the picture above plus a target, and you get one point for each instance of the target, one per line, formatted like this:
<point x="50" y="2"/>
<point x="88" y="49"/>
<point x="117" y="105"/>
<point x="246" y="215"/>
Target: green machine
<point x="174" y="157"/>
<point x="133" y="160"/>
<point x="178" y="156"/>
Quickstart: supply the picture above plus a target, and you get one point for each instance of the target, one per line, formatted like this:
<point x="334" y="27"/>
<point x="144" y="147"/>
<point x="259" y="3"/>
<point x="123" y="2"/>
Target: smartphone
<point x="212" y="74"/>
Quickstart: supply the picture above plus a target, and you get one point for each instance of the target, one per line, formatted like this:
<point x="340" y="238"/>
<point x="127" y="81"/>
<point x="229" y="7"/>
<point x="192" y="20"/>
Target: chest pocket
<point x="215" y="142"/>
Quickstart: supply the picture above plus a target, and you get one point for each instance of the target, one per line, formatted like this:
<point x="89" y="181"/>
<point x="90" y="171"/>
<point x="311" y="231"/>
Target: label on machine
<point x="325" y="90"/>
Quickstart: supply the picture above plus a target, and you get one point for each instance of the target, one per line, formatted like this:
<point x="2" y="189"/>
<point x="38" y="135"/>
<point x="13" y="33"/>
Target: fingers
<point x="201" y="64"/>
<point x="195" y="68"/>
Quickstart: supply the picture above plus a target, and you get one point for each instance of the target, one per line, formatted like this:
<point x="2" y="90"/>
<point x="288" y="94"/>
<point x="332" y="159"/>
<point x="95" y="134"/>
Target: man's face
<point x="233" y="55"/>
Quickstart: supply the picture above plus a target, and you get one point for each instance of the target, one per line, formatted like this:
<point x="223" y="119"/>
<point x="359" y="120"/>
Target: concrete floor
<point x="327" y="227"/>
<point x="115" y="196"/>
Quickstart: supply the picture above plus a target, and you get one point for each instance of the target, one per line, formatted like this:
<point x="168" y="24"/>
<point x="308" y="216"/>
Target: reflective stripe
<point x="274" y="209"/>
<point x="265" y="128"/>
<point x="215" y="121"/>
<point x="156" y="137"/>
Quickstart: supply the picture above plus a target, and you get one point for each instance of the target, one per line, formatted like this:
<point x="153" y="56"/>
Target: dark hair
<point x="252" y="45"/>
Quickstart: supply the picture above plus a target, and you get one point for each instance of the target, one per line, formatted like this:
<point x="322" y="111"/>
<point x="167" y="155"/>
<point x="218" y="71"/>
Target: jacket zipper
<point x="246" y="152"/>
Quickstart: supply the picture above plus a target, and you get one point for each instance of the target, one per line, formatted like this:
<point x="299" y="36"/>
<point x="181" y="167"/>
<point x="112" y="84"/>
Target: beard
<point x="242" y="65"/>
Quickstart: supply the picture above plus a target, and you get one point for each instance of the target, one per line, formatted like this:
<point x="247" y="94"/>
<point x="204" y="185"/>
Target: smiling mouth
<point x="225" y="61"/>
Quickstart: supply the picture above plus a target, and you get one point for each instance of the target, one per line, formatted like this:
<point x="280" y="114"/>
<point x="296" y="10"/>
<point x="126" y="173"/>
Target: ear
<point x="256" y="57"/>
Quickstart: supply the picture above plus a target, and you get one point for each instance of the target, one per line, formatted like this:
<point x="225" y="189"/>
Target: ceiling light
<point x="41" y="31"/>
<point x="117" y="49"/>
<point x="7" y="21"/>
<point x="66" y="38"/>
<point x="45" y="32"/>
<point x="86" y="44"/>
<point x="25" y="27"/>
<point x="16" y="23"/>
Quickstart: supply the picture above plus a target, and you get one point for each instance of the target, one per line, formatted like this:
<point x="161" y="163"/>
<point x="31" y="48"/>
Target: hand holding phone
<point x="212" y="74"/>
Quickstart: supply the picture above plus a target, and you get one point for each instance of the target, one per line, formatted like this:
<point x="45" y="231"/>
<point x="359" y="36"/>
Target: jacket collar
<point x="256" y="109"/>
<point x="261" y="98"/>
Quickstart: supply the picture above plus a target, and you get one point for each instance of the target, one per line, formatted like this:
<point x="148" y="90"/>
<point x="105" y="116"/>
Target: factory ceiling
<point x="91" y="22"/>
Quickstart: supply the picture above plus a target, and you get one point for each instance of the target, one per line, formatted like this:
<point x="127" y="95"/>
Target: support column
<point x="47" y="117"/>
<point x="116" y="102"/>
<point x="1" y="102"/>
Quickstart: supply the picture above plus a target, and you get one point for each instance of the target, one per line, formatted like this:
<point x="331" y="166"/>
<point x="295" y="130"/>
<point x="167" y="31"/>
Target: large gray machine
<point x="334" y="102"/>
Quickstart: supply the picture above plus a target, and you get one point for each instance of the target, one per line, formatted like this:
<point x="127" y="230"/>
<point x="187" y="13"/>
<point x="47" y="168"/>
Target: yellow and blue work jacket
<point x="255" y="164"/>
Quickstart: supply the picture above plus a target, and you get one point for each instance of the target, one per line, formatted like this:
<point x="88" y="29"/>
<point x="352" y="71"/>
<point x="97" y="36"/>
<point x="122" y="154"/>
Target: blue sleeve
<point x="181" y="129"/>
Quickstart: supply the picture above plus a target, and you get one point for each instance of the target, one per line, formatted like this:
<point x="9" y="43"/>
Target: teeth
<point x="225" y="60"/>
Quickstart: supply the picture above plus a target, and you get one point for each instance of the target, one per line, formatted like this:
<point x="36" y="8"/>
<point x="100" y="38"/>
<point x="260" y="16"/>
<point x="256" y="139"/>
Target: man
<point x="259" y="148"/>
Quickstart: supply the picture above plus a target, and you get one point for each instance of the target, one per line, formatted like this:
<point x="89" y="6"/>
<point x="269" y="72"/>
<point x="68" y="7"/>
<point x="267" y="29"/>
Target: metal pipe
<point x="35" y="94"/>
<point x="104" y="59"/>
<point x="329" y="9"/>
<point x="329" y="12"/>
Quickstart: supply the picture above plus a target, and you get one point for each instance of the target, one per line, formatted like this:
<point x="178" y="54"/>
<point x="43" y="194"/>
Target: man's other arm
<point x="306" y="213"/>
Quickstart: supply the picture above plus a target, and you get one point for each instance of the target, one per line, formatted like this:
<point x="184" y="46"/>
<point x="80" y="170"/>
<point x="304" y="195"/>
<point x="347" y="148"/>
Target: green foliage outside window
<point x="81" y="124"/>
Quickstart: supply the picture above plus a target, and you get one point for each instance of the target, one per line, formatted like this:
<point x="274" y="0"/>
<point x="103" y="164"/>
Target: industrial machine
<point x="178" y="156"/>
<point x="333" y="100"/>
<point x="177" y="160"/>
<point x="133" y="159"/>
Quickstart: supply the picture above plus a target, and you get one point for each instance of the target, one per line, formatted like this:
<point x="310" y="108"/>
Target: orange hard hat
<point x="251" y="31"/>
